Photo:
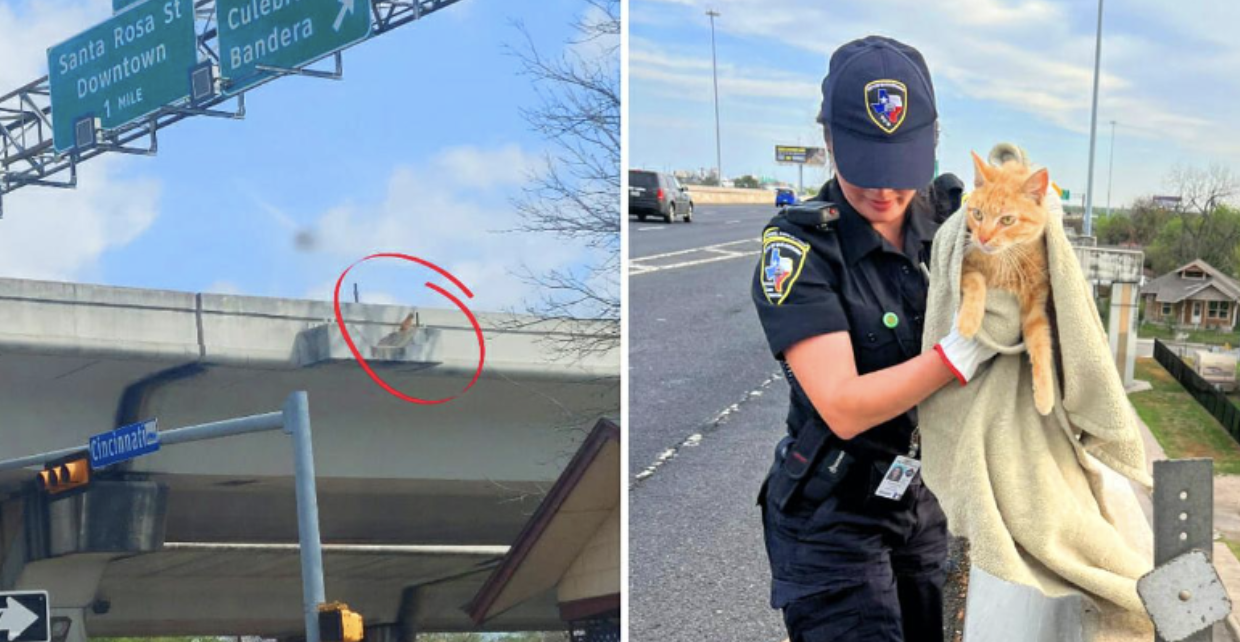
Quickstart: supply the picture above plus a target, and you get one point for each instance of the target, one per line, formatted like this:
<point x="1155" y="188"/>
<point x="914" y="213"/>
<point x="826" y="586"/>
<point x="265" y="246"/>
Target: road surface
<point x="702" y="386"/>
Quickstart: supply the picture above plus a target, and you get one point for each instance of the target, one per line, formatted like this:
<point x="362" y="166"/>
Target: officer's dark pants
<point x="857" y="566"/>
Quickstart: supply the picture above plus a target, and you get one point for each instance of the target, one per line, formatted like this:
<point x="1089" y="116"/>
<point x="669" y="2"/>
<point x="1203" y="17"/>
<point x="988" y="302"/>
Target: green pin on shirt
<point x="891" y="320"/>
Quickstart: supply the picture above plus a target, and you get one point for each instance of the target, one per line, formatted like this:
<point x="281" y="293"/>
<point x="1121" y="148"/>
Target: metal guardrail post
<point x="297" y="423"/>
<point x="1183" y="514"/>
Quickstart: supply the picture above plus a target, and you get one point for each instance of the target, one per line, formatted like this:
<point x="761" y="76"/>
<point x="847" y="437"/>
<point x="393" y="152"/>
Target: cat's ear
<point x="981" y="172"/>
<point x="1035" y="186"/>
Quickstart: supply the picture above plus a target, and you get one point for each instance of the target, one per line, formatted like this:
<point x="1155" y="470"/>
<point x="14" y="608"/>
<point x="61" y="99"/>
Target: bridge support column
<point x="407" y="617"/>
<point x="1122" y="327"/>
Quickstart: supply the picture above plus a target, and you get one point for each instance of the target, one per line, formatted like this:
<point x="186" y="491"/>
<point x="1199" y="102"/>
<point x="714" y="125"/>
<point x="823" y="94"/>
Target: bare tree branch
<point x="1207" y="226"/>
<point x="575" y="193"/>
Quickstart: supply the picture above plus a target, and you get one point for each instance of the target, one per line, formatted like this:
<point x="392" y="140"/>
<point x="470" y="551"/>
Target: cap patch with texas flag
<point x="887" y="102"/>
<point x="782" y="259"/>
<point x="878" y="107"/>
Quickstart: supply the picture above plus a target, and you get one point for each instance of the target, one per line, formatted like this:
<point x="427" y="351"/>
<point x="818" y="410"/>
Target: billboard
<point x="1168" y="201"/>
<point x="798" y="155"/>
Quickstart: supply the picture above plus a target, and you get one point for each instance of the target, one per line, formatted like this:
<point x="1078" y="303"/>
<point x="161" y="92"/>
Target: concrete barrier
<point x="703" y="195"/>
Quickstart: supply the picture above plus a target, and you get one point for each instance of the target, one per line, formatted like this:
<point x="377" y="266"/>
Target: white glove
<point x="963" y="356"/>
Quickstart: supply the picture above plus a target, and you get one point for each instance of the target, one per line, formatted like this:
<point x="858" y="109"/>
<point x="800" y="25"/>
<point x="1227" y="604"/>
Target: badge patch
<point x="885" y="103"/>
<point x="782" y="259"/>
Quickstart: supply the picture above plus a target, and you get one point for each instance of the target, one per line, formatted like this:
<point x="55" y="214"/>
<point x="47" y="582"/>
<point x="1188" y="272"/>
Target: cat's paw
<point x="970" y="321"/>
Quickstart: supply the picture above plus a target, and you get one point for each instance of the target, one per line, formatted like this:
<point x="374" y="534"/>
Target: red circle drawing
<point x="357" y="354"/>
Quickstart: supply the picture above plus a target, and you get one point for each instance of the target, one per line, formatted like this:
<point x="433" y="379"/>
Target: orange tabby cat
<point x="1007" y="250"/>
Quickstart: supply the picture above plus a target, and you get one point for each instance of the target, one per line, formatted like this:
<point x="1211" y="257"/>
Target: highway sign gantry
<point x="123" y="69"/>
<point x="283" y="34"/>
<point x="124" y="443"/>
<point x="24" y="617"/>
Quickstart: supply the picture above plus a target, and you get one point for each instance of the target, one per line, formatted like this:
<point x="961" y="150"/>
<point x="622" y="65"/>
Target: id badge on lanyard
<point x="902" y="471"/>
<point x="898" y="477"/>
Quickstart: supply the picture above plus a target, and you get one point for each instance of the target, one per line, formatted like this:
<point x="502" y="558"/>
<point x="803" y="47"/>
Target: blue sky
<point x="418" y="150"/>
<point x="1018" y="70"/>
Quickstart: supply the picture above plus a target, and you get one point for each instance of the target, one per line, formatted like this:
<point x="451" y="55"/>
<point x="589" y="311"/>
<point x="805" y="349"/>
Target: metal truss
<point x="27" y="156"/>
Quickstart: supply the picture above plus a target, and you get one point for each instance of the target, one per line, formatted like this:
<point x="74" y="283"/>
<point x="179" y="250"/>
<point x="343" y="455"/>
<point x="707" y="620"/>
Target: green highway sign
<point x="123" y="69"/>
<point x="284" y="34"/>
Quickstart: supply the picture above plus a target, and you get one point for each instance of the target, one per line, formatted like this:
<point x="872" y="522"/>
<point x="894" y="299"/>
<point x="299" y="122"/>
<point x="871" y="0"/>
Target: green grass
<point x="1208" y="337"/>
<point x="1182" y="427"/>
<point x="1234" y="546"/>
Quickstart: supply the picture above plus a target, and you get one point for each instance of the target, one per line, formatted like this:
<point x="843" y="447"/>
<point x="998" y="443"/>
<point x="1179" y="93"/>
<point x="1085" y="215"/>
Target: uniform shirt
<point x="848" y="278"/>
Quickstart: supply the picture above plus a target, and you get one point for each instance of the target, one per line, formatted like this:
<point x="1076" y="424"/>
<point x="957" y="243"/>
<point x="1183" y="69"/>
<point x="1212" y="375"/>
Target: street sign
<point x="800" y="155"/>
<point x="24" y="617"/>
<point x="123" y="69"/>
<point x="284" y="34"/>
<point x="127" y="442"/>
<point x="121" y="5"/>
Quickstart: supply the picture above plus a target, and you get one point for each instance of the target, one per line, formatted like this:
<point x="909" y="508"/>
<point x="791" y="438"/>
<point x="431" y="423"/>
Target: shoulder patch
<point x="783" y="257"/>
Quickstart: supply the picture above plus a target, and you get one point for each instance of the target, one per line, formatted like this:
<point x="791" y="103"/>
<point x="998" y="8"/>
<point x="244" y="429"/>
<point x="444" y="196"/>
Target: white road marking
<point x="696" y="438"/>
<point x="650" y="229"/>
<point x="721" y="254"/>
<point x="692" y="250"/>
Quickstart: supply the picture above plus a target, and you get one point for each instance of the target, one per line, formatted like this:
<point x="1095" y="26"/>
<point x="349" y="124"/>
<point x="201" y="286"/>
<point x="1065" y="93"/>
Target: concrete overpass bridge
<point x="417" y="503"/>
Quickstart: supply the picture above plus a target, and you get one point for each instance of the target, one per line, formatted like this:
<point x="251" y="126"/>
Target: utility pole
<point x="715" y="72"/>
<point x="1093" y="130"/>
<point x="1111" y="169"/>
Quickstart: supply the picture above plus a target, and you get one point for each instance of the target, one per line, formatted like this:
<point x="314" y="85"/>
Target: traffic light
<point x="338" y="624"/>
<point x="69" y="474"/>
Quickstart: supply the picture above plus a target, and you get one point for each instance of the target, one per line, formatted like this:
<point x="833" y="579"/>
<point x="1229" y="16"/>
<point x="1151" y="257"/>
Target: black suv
<point x="655" y="194"/>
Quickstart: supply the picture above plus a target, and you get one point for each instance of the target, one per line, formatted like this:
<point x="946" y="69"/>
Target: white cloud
<point x="52" y="233"/>
<point x="1022" y="55"/>
<point x="61" y="234"/>
<point x="1168" y="74"/>
<point x="689" y="77"/>
<point x="26" y="35"/>
<point x="449" y="211"/>
<point x="497" y="168"/>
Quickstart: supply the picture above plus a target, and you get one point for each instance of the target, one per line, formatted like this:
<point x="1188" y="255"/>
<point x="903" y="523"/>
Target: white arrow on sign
<point x="346" y="6"/>
<point x="16" y="618"/>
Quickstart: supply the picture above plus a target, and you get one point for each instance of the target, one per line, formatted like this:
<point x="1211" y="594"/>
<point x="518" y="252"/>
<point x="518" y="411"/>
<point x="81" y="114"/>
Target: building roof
<point x="1173" y="288"/>
<point x="582" y="498"/>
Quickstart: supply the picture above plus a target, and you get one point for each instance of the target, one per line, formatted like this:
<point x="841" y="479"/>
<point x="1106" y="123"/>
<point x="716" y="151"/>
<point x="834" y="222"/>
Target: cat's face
<point x="1005" y="209"/>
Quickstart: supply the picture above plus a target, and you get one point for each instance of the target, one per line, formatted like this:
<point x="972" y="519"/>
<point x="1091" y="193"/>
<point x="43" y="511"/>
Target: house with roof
<point x="569" y="551"/>
<point x="1196" y="295"/>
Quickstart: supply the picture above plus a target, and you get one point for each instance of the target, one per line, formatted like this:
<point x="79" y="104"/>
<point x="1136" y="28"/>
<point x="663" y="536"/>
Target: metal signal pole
<point x="715" y="72"/>
<point x="1111" y="168"/>
<point x="1093" y="130"/>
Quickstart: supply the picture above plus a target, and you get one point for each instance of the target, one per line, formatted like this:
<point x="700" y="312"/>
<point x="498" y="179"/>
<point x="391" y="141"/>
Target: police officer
<point x="858" y="552"/>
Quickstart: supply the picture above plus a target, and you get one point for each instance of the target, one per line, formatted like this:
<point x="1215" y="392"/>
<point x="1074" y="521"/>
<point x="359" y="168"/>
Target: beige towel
<point x="1027" y="490"/>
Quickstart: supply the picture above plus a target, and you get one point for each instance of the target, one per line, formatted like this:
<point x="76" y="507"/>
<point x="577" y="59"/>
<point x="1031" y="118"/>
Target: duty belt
<point x="809" y="466"/>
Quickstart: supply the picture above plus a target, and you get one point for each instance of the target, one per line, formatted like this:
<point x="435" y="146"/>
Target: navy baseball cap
<point x="878" y="102"/>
